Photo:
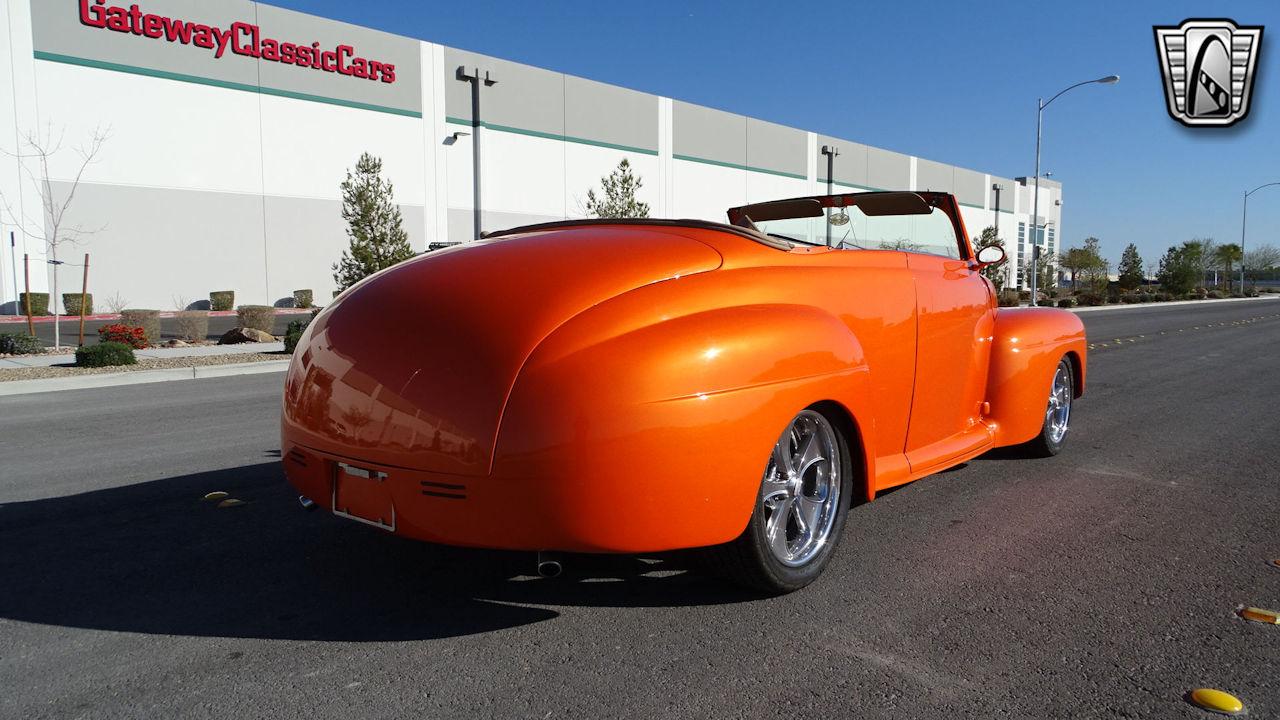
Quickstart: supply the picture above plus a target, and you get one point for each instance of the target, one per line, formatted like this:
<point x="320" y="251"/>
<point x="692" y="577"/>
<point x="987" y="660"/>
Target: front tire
<point x="800" y="509"/>
<point x="1057" y="414"/>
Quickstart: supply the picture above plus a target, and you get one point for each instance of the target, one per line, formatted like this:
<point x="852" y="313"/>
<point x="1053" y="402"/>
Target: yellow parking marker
<point x="1216" y="701"/>
<point x="1267" y="617"/>
<point x="231" y="502"/>
<point x="216" y="495"/>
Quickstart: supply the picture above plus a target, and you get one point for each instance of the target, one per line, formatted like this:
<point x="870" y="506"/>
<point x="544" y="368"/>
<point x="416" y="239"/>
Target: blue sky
<point x="954" y="82"/>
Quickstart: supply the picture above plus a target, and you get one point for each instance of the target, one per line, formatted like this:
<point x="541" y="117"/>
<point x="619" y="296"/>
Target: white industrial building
<point x="232" y="123"/>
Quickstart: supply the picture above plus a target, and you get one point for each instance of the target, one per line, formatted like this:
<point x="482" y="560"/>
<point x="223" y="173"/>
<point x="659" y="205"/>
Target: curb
<point x="26" y="387"/>
<point x="1175" y="303"/>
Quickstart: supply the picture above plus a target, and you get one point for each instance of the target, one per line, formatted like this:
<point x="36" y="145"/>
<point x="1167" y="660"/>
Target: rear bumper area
<point x="459" y="510"/>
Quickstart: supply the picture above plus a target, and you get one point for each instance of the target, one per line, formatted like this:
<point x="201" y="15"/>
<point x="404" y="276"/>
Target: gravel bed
<point x="35" y="373"/>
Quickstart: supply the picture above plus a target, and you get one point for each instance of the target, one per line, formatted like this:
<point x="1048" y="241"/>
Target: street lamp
<point x="1244" y="216"/>
<point x="1035" y="212"/>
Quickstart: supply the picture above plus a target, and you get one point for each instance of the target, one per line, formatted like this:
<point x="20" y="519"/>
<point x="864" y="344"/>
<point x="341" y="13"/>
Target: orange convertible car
<point x="628" y="386"/>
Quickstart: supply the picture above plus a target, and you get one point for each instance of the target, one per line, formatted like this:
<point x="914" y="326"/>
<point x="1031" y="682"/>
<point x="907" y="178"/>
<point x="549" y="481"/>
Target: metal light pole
<point x="1244" y="217"/>
<point x="477" y="81"/>
<point x="1035" y="204"/>
<point x="831" y="151"/>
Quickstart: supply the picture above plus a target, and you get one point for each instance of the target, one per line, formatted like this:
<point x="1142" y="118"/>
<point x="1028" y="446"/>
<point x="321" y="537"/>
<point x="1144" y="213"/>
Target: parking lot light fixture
<point x="1244" y="218"/>
<point x="1035" y="211"/>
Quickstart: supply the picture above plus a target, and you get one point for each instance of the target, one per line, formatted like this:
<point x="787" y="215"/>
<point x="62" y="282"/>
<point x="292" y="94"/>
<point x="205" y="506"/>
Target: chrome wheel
<point x="801" y="494"/>
<point x="1058" y="415"/>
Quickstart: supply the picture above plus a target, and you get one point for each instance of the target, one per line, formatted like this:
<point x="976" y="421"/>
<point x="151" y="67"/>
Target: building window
<point x="1022" y="253"/>
<point x="1052" y="243"/>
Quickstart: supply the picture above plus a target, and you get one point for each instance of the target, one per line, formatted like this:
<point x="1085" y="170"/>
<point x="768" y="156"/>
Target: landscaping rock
<point x="175" y="343"/>
<point x="236" y="336"/>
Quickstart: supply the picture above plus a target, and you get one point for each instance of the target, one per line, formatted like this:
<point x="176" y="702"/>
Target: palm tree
<point x="1225" y="256"/>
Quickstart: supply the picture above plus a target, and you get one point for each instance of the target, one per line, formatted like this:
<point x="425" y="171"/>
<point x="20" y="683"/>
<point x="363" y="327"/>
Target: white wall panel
<point x="165" y="243"/>
<point x="163" y="133"/>
<point x="765" y="186"/>
<point x="976" y="220"/>
<point x="17" y="82"/>
<point x="704" y="191"/>
<point x="308" y="147"/>
<point x="523" y="174"/>
<point x="458" y="188"/>
<point x="585" y="165"/>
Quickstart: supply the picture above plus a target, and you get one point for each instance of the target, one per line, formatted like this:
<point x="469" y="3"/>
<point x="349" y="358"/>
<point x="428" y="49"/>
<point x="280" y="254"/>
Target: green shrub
<point x="148" y="320"/>
<point x="1008" y="298"/>
<point x="294" y="333"/>
<point x="258" y="317"/>
<point x="71" y="301"/>
<point x="105" y="354"/>
<point x="1091" y="299"/>
<point x="20" y="344"/>
<point x="1215" y="295"/>
<point x="1067" y="302"/>
<point x="39" y="303"/>
<point x="1145" y="297"/>
<point x="1163" y="297"/>
<point x="192" y="325"/>
<point x="222" y="299"/>
<point x="303" y="298"/>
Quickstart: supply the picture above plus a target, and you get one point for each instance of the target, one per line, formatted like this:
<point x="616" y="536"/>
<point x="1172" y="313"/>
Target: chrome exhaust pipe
<point x="306" y="502"/>
<point x="549" y="565"/>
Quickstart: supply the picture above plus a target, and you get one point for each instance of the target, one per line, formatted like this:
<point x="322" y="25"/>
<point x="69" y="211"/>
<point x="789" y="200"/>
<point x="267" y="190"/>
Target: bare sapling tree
<point x="41" y="149"/>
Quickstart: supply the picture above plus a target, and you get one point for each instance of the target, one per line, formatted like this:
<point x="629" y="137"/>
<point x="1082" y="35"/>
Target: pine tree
<point x="1096" y="268"/>
<point x="374" y="225"/>
<point x="1180" y="268"/>
<point x="619" y="200"/>
<point x="1130" y="268"/>
<point x="996" y="272"/>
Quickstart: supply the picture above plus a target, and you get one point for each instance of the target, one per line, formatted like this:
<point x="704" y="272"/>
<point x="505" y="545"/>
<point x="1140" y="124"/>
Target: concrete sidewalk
<point x="139" y="377"/>
<point x="1174" y="303"/>
<point x="162" y="353"/>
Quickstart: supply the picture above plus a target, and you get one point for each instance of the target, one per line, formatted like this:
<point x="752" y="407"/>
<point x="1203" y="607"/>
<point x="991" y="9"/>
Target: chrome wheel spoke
<point x="782" y="456"/>
<point x="776" y="529"/>
<point x="801" y="489"/>
<point x="808" y="512"/>
<point x="809" y="455"/>
<point x="1057" y="415"/>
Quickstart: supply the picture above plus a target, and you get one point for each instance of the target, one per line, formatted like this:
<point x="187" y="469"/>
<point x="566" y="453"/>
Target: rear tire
<point x="800" y="509"/>
<point x="1057" y="416"/>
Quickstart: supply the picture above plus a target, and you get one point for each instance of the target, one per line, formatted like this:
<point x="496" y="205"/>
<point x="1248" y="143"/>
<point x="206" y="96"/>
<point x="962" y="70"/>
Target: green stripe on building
<point x="226" y="84"/>
<point x="552" y="136"/>
<point x="852" y="186"/>
<point x="737" y="166"/>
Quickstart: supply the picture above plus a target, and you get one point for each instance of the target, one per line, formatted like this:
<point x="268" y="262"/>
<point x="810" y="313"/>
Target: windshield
<point x="890" y="221"/>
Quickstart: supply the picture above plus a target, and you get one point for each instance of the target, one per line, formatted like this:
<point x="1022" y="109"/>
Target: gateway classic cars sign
<point x="241" y="38"/>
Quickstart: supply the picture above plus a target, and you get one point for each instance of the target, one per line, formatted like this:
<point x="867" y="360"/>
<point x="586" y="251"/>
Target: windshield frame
<point x="946" y="202"/>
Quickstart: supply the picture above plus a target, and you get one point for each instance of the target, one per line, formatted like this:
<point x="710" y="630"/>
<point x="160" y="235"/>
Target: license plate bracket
<point x="361" y="494"/>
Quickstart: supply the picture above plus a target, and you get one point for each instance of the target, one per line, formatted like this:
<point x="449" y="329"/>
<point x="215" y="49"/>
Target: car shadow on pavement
<point x="154" y="557"/>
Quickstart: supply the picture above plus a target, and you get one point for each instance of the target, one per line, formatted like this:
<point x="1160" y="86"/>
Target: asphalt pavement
<point x="1099" y="583"/>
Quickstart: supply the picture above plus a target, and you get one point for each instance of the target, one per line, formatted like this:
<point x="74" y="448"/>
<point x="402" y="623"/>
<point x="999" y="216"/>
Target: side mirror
<point x="990" y="255"/>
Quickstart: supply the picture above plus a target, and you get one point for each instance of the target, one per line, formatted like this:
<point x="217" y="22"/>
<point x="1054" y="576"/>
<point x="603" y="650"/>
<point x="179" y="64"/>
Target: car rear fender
<point x="665" y="427"/>
<point x="1026" y="346"/>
